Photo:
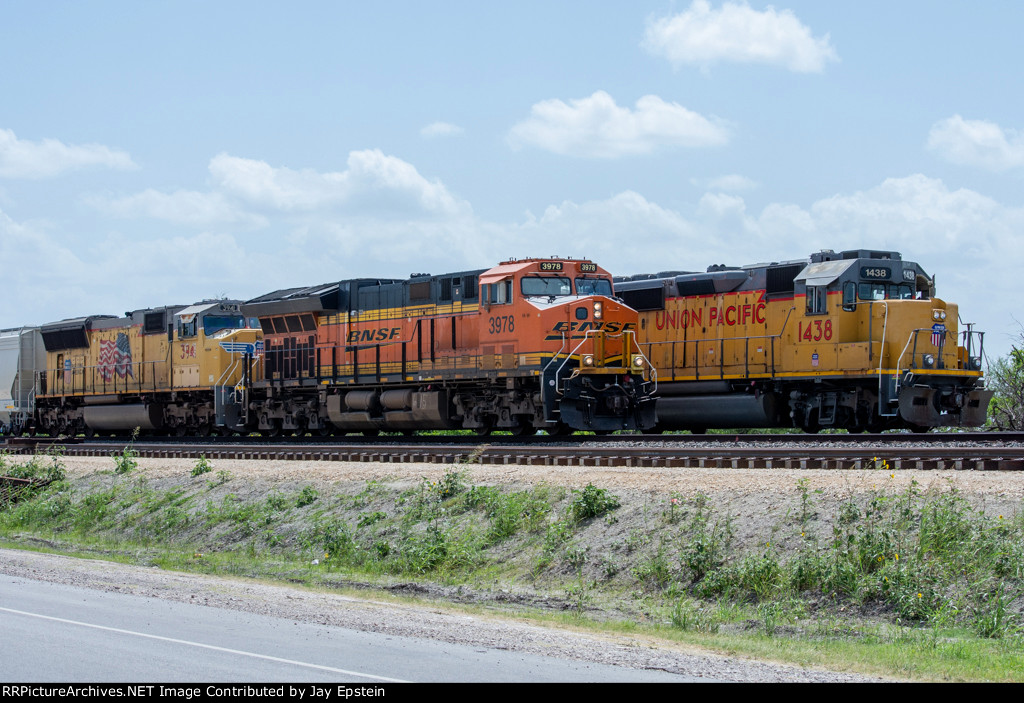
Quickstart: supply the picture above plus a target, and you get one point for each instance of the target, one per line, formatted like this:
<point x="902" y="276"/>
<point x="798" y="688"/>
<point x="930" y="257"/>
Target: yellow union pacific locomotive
<point x="168" y="369"/>
<point x="855" y="340"/>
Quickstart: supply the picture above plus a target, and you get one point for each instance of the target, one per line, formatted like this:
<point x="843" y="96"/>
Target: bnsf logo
<point x="612" y="327"/>
<point x="381" y="335"/>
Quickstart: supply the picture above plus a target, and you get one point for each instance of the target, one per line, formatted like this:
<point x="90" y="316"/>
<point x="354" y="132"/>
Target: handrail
<point x="543" y="386"/>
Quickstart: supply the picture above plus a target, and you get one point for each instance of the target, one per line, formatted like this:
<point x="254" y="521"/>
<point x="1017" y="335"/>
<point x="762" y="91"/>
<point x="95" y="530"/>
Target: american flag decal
<point x="115" y="358"/>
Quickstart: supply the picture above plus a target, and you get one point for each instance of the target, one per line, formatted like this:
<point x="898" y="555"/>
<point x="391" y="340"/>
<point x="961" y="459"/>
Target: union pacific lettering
<point x="577" y="330"/>
<point x="730" y="315"/>
<point x="382" y="335"/>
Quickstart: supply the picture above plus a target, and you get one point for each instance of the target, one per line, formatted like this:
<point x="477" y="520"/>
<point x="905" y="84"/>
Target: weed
<point x="203" y="466"/>
<point x="367" y="519"/>
<point x="222" y="477"/>
<point x="127" y="460"/>
<point x="688" y="616"/>
<point x="591" y="502"/>
<point x="306" y="496"/>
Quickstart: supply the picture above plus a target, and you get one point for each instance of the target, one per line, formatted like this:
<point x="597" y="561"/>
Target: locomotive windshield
<point x="215" y="323"/>
<point x="545" y="285"/>
<point x="885" y="291"/>
<point x="593" y="286"/>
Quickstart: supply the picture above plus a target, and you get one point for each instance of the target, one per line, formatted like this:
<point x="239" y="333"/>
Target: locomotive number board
<point x="550" y="265"/>
<point x="875" y="272"/>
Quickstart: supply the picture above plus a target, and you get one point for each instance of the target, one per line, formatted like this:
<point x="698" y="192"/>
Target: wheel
<point x="810" y="424"/>
<point x="559" y="429"/>
<point x="523" y="430"/>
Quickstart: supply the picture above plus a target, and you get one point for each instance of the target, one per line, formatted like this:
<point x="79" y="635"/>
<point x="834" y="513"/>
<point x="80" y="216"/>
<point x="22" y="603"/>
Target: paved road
<point x="59" y="633"/>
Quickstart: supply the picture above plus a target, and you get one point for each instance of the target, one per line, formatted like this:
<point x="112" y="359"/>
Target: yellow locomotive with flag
<point x="855" y="339"/>
<point x="171" y="369"/>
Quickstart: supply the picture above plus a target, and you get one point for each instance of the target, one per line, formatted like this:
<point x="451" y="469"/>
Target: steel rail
<point x="885" y="457"/>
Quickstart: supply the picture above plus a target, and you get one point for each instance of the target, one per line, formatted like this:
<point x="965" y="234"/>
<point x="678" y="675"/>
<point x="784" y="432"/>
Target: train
<point x="853" y="340"/>
<point x="527" y="345"/>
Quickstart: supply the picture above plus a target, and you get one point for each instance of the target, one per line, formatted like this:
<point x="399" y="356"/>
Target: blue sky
<point x="155" y="153"/>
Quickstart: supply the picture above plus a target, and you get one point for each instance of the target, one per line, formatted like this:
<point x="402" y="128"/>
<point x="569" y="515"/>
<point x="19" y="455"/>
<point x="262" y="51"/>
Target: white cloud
<point x="20" y="158"/>
<point x="977" y="143"/>
<point x="183" y="207"/>
<point x="373" y="182"/>
<point x="597" y="127"/>
<point x="737" y="33"/>
<point x="441" y="129"/>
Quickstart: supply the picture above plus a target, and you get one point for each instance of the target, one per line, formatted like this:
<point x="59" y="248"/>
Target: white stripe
<point x="206" y="646"/>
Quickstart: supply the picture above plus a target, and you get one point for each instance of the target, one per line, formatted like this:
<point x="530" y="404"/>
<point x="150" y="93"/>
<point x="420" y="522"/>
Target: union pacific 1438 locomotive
<point x="526" y="345"/>
<point x="854" y="340"/>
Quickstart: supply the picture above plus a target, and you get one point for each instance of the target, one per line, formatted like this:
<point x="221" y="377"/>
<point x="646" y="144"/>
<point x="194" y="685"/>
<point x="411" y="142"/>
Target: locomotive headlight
<point x="938" y="315"/>
<point x="942" y="314"/>
<point x="598" y="308"/>
<point x="929" y="360"/>
<point x="638" y="360"/>
<point x="588" y="359"/>
<point x="976" y="363"/>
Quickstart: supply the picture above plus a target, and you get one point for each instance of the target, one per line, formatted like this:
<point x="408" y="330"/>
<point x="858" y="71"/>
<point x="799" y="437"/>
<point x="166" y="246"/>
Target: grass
<point x="909" y="584"/>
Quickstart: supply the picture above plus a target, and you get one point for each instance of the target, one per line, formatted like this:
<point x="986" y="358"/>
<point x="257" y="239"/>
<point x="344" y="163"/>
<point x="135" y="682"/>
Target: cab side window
<point x="816" y="300"/>
<point x="187" y="329"/>
<point x="499" y="293"/>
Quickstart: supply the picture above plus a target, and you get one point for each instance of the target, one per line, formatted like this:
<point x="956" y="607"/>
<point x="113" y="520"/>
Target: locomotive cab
<point x="593" y="373"/>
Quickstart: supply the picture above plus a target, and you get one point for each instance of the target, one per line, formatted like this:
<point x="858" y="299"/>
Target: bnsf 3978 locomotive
<point x="854" y="340"/>
<point x="526" y="345"/>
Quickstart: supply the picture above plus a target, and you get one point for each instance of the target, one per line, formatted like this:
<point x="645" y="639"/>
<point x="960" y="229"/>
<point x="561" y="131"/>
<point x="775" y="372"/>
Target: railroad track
<point x="987" y="452"/>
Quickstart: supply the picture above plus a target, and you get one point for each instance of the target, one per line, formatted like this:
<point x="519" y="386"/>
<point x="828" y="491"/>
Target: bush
<point x="592" y="502"/>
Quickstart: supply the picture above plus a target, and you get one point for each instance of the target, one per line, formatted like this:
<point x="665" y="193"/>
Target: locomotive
<point x="161" y="370"/>
<point x="854" y="339"/>
<point x="526" y="345"/>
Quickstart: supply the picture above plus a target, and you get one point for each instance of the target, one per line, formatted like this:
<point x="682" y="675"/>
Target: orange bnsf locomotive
<point x="853" y="340"/>
<point x="526" y="345"/>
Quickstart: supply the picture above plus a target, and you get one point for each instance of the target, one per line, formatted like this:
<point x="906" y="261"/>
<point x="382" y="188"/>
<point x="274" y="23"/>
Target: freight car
<point x="527" y="345"/>
<point x="21" y="355"/>
<point x="171" y="369"/>
<point x="855" y="340"/>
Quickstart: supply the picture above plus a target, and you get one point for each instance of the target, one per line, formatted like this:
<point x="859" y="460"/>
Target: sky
<point x="166" y="152"/>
